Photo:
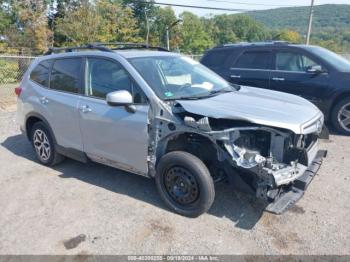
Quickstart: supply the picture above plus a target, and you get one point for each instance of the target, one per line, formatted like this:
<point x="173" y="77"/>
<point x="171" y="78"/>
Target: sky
<point x="242" y="4"/>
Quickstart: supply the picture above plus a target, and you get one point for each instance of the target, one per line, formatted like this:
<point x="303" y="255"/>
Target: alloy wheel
<point x="42" y="145"/>
<point x="344" y="117"/>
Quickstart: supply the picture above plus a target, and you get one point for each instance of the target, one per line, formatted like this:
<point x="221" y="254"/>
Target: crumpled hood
<point x="260" y="106"/>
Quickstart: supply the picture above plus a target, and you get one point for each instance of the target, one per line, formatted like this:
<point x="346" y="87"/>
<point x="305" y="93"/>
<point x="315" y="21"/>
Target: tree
<point x="58" y="10"/>
<point x="247" y="29"/>
<point x="80" y="26"/>
<point x="117" y="24"/>
<point x="144" y="12"/>
<point x="104" y="21"/>
<point x="288" y="35"/>
<point x="222" y="29"/>
<point x="164" y="17"/>
<point x="31" y="27"/>
<point x="194" y="38"/>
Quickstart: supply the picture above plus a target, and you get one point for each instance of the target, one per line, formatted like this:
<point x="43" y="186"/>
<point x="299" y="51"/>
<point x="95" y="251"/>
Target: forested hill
<point x="325" y="17"/>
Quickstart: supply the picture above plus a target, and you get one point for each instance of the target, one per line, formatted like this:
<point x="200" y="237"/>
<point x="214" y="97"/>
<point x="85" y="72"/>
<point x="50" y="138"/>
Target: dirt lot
<point x="7" y="97"/>
<point x="91" y="209"/>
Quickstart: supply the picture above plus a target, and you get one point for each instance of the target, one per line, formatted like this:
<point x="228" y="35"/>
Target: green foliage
<point x="163" y="18"/>
<point x="330" y="27"/>
<point x="39" y="24"/>
<point x="194" y="38"/>
<point x="105" y="22"/>
<point x="30" y="29"/>
<point x="8" y="72"/>
<point x="287" y="35"/>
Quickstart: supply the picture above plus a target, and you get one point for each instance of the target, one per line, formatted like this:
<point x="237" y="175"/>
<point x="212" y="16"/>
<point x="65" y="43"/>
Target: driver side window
<point x="104" y="76"/>
<point x="294" y="62"/>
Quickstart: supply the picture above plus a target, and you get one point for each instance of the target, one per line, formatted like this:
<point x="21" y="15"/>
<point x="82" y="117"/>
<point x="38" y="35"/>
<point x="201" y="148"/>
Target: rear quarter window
<point x="253" y="60"/>
<point x="215" y="58"/>
<point x="40" y="73"/>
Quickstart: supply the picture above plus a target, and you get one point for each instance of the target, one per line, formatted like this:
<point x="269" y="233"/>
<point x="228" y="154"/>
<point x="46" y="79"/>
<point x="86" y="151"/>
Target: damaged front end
<point x="275" y="164"/>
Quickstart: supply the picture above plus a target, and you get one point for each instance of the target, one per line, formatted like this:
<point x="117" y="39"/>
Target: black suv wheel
<point x="341" y="116"/>
<point x="44" y="146"/>
<point x="185" y="184"/>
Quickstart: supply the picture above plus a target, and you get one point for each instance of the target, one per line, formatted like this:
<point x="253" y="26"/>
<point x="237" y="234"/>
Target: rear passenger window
<point x="65" y="75"/>
<point x="215" y="58"/>
<point x="253" y="60"/>
<point x="40" y="73"/>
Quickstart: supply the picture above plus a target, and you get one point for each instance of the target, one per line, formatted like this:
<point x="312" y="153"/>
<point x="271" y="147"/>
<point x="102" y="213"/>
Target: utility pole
<point x="147" y="27"/>
<point x="310" y="22"/>
<point x="167" y="29"/>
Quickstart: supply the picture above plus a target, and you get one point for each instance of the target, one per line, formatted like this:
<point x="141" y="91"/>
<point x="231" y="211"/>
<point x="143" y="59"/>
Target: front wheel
<point x="341" y="116"/>
<point x="185" y="184"/>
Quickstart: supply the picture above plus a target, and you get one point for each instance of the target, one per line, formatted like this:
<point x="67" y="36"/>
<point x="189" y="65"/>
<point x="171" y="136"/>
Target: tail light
<point x="18" y="91"/>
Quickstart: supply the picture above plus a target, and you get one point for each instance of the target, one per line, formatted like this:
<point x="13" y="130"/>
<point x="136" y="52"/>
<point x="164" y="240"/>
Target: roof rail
<point x="55" y="50"/>
<point x="103" y="47"/>
<point x="270" y="42"/>
<point x="124" y="46"/>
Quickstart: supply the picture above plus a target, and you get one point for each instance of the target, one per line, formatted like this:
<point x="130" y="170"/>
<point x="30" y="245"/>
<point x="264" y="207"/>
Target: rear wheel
<point x="341" y="116"/>
<point x="185" y="184"/>
<point x="44" y="146"/>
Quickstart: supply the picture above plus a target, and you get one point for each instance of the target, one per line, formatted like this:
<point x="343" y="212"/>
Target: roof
<point x="144" y="53"/>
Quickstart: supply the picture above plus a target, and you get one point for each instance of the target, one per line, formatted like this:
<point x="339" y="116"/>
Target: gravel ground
<point x="92" y="209"/>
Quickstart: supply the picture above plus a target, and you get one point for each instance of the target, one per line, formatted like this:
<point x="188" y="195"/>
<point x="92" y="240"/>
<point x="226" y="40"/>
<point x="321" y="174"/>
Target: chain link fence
<point x="13" y="67"/>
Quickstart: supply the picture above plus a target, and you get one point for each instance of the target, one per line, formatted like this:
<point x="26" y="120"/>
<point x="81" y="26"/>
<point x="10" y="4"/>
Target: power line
<point x="241" y="3"/>
<point x="199" y="7"/>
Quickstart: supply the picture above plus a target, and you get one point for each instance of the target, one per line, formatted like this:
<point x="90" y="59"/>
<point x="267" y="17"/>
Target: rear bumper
<point x="295" y="191"/>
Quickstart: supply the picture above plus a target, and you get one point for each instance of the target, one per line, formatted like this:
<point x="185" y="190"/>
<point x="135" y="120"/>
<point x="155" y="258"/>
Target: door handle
<point x="43" y="100"/>
<point x="277" y="78"/>
<point x="235" y="76"/>
<point x="85" y="109"/>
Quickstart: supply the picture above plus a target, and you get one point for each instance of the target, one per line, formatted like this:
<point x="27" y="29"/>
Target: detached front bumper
<point x="290" y="195"/>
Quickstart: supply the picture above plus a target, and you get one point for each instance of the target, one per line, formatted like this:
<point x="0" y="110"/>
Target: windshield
<point x="337" y="61"/>
<point x="179" y="77"/>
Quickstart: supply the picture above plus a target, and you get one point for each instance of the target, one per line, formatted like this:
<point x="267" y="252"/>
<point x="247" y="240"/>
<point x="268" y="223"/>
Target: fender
<point x="42" y="118"/>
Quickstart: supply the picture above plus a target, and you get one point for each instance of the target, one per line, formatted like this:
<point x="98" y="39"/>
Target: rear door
<point x="252" y="68"/>
<point x="111" y="134"/>
<point x="220" y="61"/>
<point x="59" y="99"/>
<point x="290" y="75"/>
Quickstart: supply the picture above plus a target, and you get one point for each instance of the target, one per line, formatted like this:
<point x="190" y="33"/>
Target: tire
<point x="46" y="154"/>
<point x="184" y="183"/>
<point x="340" y="118"/>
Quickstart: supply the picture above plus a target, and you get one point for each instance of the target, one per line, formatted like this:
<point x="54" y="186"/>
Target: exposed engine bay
<point x="258" y="159"/>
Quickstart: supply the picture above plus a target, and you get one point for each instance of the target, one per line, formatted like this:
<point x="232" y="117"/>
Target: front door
<point x="113" y="135"/>
<point x="290" y="75"/>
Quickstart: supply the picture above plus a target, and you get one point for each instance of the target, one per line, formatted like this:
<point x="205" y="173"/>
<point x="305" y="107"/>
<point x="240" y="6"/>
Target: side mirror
<point x="315" y="69"/>
<point x="121" y="98"/>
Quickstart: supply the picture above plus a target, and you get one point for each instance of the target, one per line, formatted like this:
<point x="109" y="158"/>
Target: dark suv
<point x="312" y="72"/>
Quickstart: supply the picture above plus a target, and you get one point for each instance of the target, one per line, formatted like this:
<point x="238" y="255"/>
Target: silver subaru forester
<point x="165" y="116"/>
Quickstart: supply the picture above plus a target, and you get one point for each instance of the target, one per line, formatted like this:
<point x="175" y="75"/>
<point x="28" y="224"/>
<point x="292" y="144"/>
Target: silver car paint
<point x="130" y="148"/>
<point x="55" y="107"/>
<point x="264" y="107"/>
<point x="113" y="136"/>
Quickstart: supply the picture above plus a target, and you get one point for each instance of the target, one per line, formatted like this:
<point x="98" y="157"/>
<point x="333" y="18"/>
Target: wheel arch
<point x="33" y="118"/>
<point x="194" y="143"/>
<point x="336" y="100"/>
